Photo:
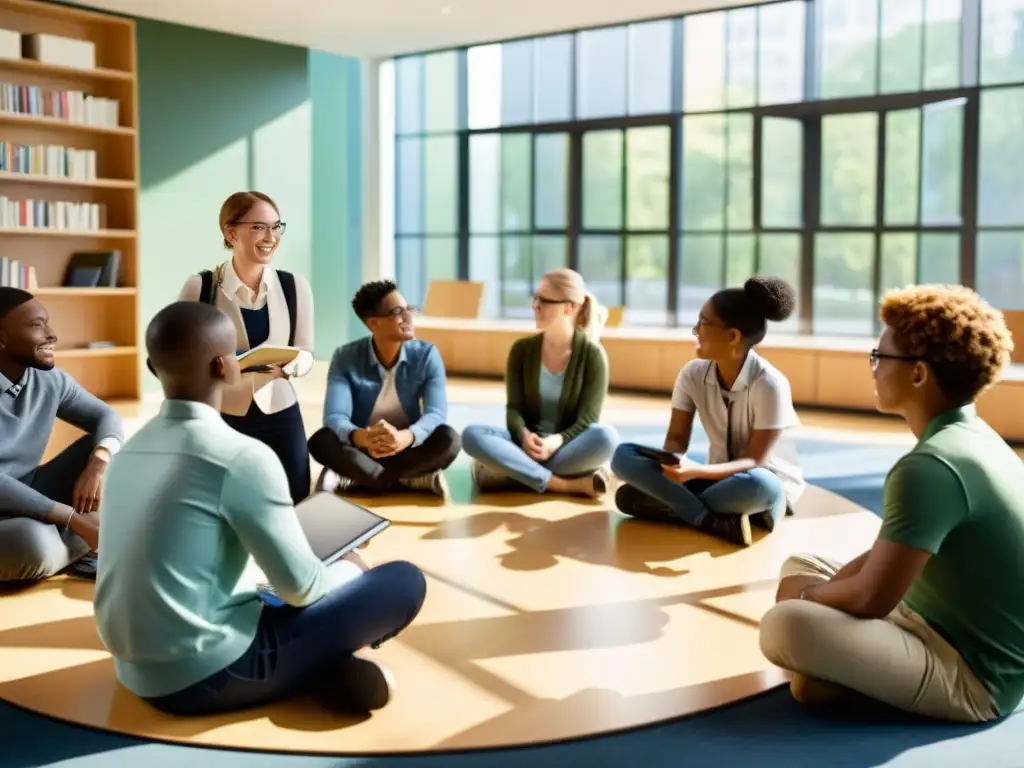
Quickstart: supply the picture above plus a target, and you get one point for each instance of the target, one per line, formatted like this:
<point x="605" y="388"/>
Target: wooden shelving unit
<point x="81" y="315"/>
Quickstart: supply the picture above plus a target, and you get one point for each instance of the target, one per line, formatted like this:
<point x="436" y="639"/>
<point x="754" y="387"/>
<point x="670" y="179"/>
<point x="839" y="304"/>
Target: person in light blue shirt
<point x="386" y="405"/>
<point x="190" y="505"/>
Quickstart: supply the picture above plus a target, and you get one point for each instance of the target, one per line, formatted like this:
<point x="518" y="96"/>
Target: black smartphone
<point x="258" y="369"/>
<point x="665" y="458"/>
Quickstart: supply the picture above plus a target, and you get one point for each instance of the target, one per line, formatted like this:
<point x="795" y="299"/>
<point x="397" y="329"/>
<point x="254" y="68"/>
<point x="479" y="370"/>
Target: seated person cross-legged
<point x="191" y="504"/>
<point x="556" y="383"/>
<point x="48" y="513"/>
<point x="386" y="403"/>
<point x="931" y="618"/>
<point x="745" y="406"/>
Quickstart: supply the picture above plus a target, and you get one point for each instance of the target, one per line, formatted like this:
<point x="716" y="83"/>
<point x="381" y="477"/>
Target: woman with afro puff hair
<point x="744" y="404"/>
<point x="931" y="618"/>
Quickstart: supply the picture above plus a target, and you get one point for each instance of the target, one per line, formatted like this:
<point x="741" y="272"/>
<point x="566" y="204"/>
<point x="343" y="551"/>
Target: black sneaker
<point x="635" y="503"/>
<point x="83" y="568"/>
<point x="766" y="521"/>
<point x="734" y="528"/>
<point x="358" y="685"/>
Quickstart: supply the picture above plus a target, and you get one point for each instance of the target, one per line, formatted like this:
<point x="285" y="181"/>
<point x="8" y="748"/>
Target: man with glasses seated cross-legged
<point x="386" y="404"/>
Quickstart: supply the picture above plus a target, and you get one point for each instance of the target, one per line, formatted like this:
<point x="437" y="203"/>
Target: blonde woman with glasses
<point x="556" y="382"/>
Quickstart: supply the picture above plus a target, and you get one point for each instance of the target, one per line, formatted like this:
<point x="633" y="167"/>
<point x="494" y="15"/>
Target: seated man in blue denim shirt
<point x="386" y="404"/>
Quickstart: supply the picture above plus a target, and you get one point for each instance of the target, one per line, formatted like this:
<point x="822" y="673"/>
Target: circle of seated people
<point x="544" y="619"/>
<point x="209" y="487"/>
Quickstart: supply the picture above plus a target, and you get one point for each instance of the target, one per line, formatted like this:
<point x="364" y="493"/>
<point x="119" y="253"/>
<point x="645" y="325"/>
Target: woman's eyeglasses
<point x="876" y="357"/>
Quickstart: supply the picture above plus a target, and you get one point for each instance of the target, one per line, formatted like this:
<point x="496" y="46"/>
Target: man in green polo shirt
<point x="931" y="618"/>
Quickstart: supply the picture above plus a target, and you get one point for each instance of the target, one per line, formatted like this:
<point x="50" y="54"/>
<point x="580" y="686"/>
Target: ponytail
<point x="591" y="317"/>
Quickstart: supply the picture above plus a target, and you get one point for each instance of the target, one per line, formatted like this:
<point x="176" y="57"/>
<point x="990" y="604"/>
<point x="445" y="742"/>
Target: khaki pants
<point x="899" y="660"/>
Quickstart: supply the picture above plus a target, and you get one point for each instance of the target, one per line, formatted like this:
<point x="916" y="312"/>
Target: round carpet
<point x="546" y="619"/>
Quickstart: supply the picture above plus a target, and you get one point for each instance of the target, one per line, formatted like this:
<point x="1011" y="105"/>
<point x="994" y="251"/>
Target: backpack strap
<point x="206" y="289"/>
<point x="288" y="286"/>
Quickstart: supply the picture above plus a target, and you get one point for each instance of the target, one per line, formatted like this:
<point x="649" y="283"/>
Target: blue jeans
<point x="296" y="647"/>
<point x="493" y="447"/>
<point x="754" y="492"/>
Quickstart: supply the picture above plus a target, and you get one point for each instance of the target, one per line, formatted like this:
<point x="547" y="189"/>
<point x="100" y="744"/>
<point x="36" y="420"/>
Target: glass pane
<point x="647" y="177"/>
<point x="782" y="168"/>
<point x="1000" y="182"/>
<point x="780" y="58"/>
<point x="601" y="67"/>
<point x="849" y="147"/>
<point x="442" y="259"/>
<point x="515" y="182"/>
<point x="485" y="183"/>
<point x="516" y="276"/>
<point x="843" y="269"/>
<point x="647" y="279"/>
<point x="740" y="191"/>
<point x="939" y="260"/>
<point x="849" y="43"/>
<point x="650" y="67"/>
<point x="551" y="180"/>
<point x="409" y="94"/>
<point x="902" y="166"/>
<point x="442" y="156"/>
<point x="409" y="192"/>
<point x="942" y="44"/>
<point x="552" y="74"/>
<point x="942" y="161"/>
<point x="483" y="84"/>
<point x="442" y="76"/>
<point x="409" y="269"/>
<point x="741" y="58"/>
<point x="602" y="180"/>
<point x="779" y="255"/>
<point x="702" y="265"/>
<point x="600" y="258"/>
<point x="704" y="62"/>
<point x="1000" y="268"/>
<point x="517" y="82"/>
<point x="703" y="173"/>
<point x="740" y="258"/>
<point x="549" y="253"/>
<point x="485" y="267"/>
<point x="1002" y="41"/>
<point x="901" y="35"/>
<point x="899" y="261"/>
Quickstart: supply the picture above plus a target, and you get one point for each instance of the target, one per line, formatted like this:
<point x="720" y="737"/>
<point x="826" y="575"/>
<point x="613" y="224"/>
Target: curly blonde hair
<point x="963" y="339"/>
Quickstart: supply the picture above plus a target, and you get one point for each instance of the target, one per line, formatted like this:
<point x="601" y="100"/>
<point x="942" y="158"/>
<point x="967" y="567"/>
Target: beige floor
<point x="546" y="618"/>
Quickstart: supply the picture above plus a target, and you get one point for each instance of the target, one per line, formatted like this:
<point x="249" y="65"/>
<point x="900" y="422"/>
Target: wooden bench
<point x="827" y="372"/>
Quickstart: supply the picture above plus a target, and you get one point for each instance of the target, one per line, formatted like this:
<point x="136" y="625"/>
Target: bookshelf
<point x="69" y="173"/>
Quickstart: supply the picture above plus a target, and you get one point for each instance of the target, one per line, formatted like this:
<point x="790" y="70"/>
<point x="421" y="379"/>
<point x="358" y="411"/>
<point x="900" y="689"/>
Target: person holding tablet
<point x="268" y="306"/>
<point x="556" y="383"/>
<point x="190" y="503"/>
<point x="745" y="406"/>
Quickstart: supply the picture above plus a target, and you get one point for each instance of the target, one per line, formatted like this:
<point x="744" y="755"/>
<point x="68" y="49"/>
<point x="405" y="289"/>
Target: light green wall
<point x="220" y="113"/>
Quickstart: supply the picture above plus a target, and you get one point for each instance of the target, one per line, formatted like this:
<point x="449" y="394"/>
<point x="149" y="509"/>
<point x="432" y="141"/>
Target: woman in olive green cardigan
<point x="556" y="382"/>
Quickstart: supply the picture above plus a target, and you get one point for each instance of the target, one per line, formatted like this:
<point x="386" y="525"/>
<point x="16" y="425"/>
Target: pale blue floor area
<point x="770" y="731"/>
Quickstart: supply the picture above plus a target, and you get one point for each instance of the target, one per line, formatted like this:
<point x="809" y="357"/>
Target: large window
<point x="849" y="146"/>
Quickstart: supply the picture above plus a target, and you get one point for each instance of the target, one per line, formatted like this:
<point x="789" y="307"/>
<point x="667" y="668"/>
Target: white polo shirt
<point x="759" y="399"/>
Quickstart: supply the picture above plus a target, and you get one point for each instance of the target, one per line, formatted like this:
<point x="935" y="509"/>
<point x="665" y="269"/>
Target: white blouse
<point x="271" y="395"/>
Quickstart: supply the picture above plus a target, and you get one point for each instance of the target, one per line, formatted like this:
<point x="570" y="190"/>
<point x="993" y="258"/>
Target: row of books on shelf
<point x="48" y="214"/>
<point x="72" y="106"/>
<point x="48" y="160"/>
<point x="17" y="274"/>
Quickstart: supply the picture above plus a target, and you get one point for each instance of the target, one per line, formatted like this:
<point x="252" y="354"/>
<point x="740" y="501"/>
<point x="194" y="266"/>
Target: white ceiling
<point x="387" y="27"/>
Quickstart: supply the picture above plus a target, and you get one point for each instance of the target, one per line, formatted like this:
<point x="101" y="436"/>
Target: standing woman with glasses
<point x="745" y="405"/>
<point x="267" y="306"/>
<point x="556" y="383"/>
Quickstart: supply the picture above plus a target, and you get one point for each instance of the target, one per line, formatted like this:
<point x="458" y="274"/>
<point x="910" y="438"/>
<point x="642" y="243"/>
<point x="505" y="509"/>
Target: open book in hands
<point x="259" y="359"/>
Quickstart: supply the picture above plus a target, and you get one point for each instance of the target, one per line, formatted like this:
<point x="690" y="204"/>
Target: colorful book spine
<point x="17" y="274"/>
<point x="72" y="106"/>
<point x="49" y="214"/>
<point x="48" y="160"/>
